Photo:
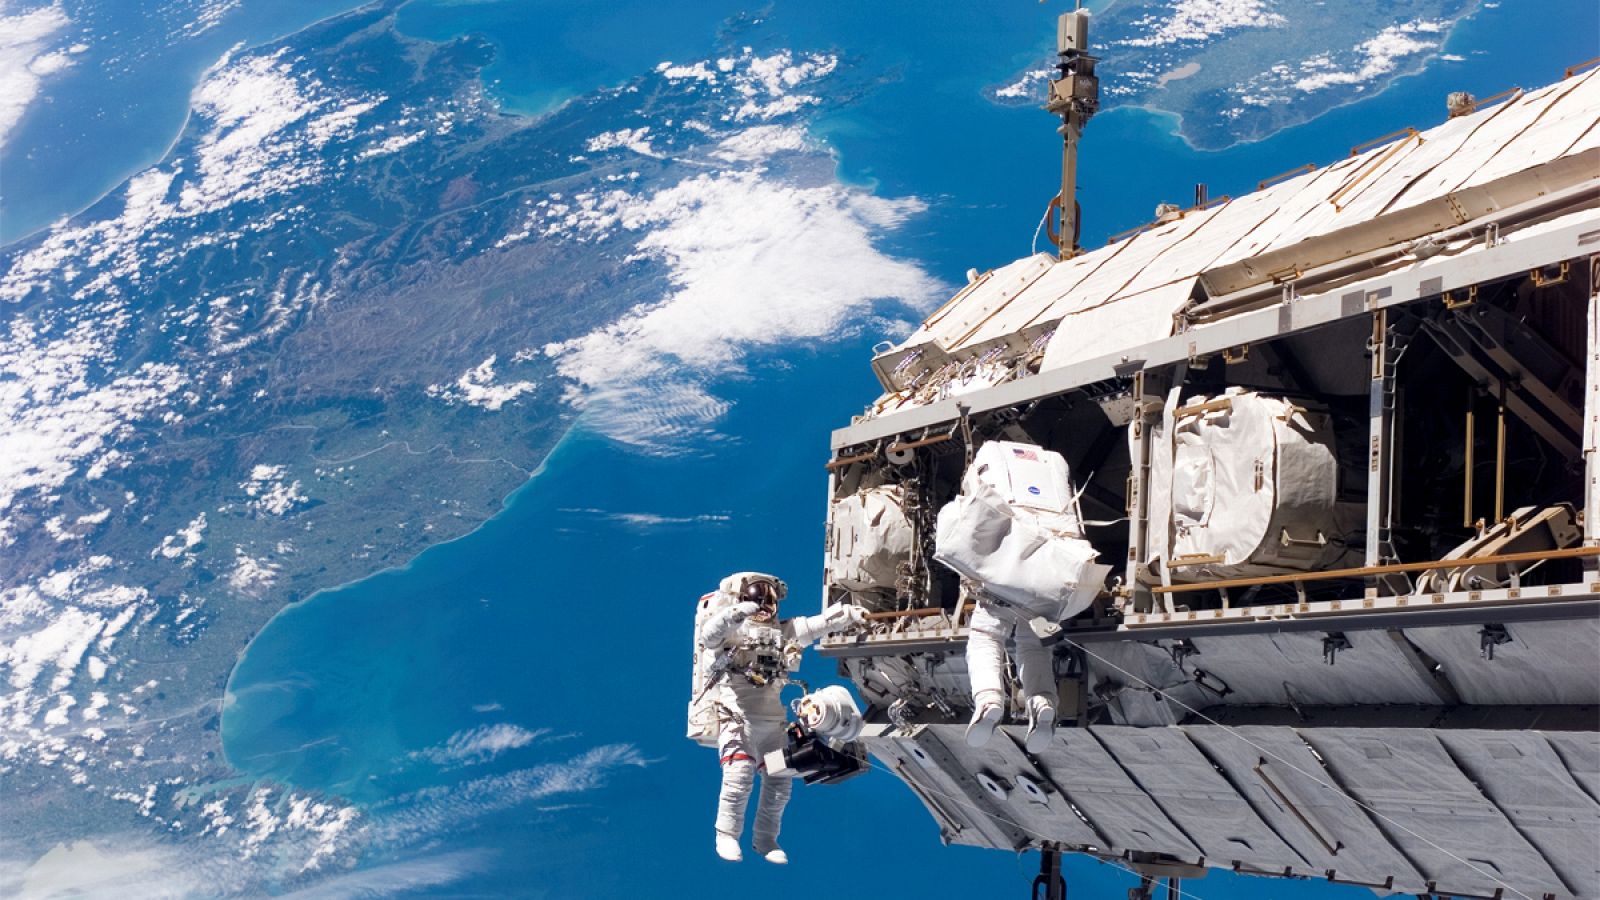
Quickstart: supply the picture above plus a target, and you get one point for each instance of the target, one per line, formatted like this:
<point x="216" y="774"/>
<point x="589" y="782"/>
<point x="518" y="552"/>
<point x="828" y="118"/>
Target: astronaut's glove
<point x="745" y="610"/>
<point x="845" y="617"/>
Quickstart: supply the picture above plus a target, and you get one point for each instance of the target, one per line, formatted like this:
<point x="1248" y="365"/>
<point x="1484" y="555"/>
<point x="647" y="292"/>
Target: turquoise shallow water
<point x="570" y="611"/>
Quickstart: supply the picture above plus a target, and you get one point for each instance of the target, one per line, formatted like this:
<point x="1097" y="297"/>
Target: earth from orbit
<point x="380" y="385"/>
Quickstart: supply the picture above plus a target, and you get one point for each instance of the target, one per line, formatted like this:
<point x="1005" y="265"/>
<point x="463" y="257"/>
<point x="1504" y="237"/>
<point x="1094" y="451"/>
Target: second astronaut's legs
<point x="986" y="664"/>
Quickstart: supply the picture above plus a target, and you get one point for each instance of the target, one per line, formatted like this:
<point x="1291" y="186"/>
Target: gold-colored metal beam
<point x="1385" y="569"/>
<point x="922" y="613"/>
<point x="1500" y="458"/>
<point x="912" y="445"/>
<point x="1358" y="149"/>
<point x="1506" y="94"/>
<point x="1265" y="183"/>
<point x="843" y="461"/>
<point x="1217" y="405"/>
<point x="1472" y="437"/>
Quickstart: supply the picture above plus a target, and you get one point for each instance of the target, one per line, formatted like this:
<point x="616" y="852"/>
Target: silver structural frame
<point x="1293" y="314"/>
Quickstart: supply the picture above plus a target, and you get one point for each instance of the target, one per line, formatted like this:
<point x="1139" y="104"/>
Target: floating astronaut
<point x="1015" y="536"/>
<point x="743" y="656"/>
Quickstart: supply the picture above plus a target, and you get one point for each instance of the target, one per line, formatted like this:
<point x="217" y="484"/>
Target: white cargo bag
<point x="1014" y="531"/>
<point x="1242" y="484"/>
<point x="869" y="538"/>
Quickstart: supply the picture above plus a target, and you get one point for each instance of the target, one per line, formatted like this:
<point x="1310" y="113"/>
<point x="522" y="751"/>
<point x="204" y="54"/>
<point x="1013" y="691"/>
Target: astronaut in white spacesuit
<point x="754" y="651"/>
<point x="1015" y="536"/>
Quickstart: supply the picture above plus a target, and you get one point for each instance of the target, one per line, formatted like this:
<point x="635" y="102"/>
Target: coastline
<point x="226" y="701"/>
<point x="120" y="176"/>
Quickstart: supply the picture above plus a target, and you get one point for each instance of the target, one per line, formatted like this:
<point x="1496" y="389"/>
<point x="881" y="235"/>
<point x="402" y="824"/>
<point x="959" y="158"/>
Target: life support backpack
<point x="1015" y="532"/>
<point x="702" y="719"/>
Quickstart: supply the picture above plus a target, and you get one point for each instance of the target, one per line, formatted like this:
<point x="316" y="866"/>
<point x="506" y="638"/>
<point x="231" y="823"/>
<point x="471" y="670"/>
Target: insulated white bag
<point x="1014" y="530"/>
<point x="1242" y="484"/>
<point x="869" y="537"/>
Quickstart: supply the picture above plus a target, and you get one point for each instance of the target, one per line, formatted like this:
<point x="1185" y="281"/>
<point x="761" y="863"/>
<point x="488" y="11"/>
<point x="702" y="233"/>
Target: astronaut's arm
<point x="723" y="625"/>
<point x="841" y="617"/>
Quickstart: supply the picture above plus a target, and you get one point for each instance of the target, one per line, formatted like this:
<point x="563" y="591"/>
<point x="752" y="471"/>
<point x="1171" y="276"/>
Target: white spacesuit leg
<point x="986" y="669"/>
<point x="766" y="723"/>
<point x="1036" y="671"/>
<point x="739" y="760"/>
<point x="1035" y="667"/>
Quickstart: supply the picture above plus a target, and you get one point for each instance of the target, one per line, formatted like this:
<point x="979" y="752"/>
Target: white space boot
<point x="776" y="856"/>
<point x="984" y="721"/>
<point x="1041" y="724"/>
<point x="728" y="847"/>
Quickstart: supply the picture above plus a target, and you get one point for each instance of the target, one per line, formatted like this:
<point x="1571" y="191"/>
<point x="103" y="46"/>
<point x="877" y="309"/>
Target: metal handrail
<point x="920" y="613"/>
<point x="912" y="445"/>
<point x="843" y="461"/>
<point x="1265" y="183"/>
<point x="1492" y="99"/>
<point x="1385" y="569"/>
<point x="1407" y="132"/>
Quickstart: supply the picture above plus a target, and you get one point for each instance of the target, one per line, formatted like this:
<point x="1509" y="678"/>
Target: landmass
<point x="1237" y="71"/>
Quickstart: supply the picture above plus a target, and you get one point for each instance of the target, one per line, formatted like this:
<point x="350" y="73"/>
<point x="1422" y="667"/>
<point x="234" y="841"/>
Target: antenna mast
<point x="1075" y="97"/>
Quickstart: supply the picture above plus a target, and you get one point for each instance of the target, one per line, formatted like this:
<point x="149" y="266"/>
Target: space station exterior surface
<point x="1335" y="445"/>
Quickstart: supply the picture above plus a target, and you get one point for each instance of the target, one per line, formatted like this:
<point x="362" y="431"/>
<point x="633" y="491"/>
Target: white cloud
<point x="392" y="144"/>
<point x="761" y="142"/>
<point x="50" y="626"/>
<point x="477" y="387"/>
<point x="252" y="149"/>
<point x="83" y="869"/>
<point x="24" y="59"/>
<point x="212" y="12"/>
<point x="1351" y="68"/>
<point x="270" y="491"/>
<point x="59" y="645"/>
<point x="1198" y="20"/>
<point x="50" y="63"/>
<point x="1026" y="86"/>
<point x="635" y="139"/>
<point x="185" y="539"/>
<point x="265" y="129"/>
<point x="700" y="71"/>
<point x="481" y="744"/>
<point x="654" y="520"/>
<point x="767" y="83"/>
<point x="1374" y="58"/>
<point x="251" y="575"/>
<point x="754" y="263"/>
<point x="432" y="811"/>
<point x="396" y="878"/>
<point x="318" y="827"/>
<point x="59" y="424"/>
